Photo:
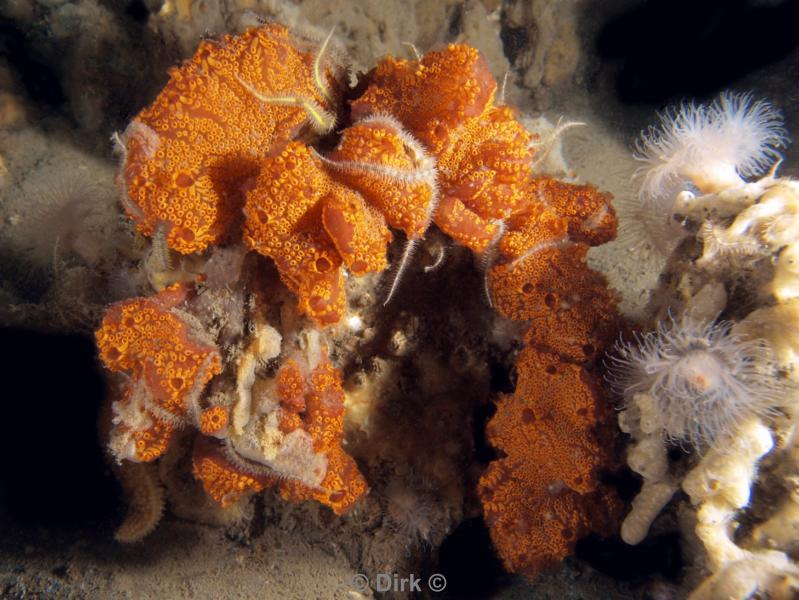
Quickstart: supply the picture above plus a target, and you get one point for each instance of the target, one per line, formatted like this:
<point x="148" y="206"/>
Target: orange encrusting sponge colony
<point x="153" y="343"/>
<point x="544" y="494"/>
<point x="314" y="404"/>
<point x="233" y="149"/>
<point x="190" y="154"/>
<point x="147" y="339"/>
<point x="554" y="431"/>
<point x="482" y="153"/>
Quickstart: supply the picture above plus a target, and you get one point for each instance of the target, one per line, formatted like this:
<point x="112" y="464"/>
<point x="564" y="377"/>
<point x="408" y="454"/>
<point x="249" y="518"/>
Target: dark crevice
<point x="468" y="561"/>
<point x="39" y="79"/>
<point x="514" y="40"/>
<point x="138" y="11"/>
<point x="670" y="49"/>
<point x="54" y="472"/>
<point x="656" y="555"/>
<point x="483" y="451"/>
<point x="456" y="21"/>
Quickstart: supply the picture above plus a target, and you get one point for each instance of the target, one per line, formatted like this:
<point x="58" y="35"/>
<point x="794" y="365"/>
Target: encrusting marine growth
<point x="167" y="370"/>
<point x="718" y="374"/>
<point x="238" y="153"/>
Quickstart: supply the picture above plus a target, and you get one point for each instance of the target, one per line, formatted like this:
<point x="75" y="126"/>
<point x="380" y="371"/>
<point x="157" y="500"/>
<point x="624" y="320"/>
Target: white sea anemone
<point x="704" y="381"/>
<point x="710" y="146"/>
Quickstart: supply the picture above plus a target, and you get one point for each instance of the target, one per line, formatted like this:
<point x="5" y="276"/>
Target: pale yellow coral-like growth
<point x="771" y="571"/>
<point x="770" y="224"/>
<point x="750" y="222"/>
<point x="779" y="326"/>
<point x="785" y="285"/>
<point x="781" y="529"/>
<point x="647" y="457"/>
<point x="739" y="258"/>
<point x="720" y="486"/>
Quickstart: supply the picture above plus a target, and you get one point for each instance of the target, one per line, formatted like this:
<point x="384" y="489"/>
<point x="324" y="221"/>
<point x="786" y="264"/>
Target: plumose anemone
<point x="704" y="381"/>
<point x="708" y="146"/>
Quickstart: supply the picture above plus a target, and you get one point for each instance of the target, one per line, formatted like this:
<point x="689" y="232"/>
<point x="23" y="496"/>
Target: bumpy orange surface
<point x="432" y="97"/>
<point x="153" y="344"/>
<point x="290" y="384"/>
<point x="323" y="418"/>
<point x="390" y="170"/>
<point x="316" y="404"/>
<point x="544" y="493"/>
<point x="483" y="177"/>
<point x="213" y="420"/>
<point x="588" y="211"/>
<point x="283" y="215"/>
<point x="221" y="481"/>
<point x="482" y="152"/>
<point x="534" y="227"/>
<point x="540" y="276"/>
<point x="426" y="143"/>
<point x="569" y="307"/>
<point x="313" y="214"/>
<point x="145" y="338"/>
<point x="190" y="154"/>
